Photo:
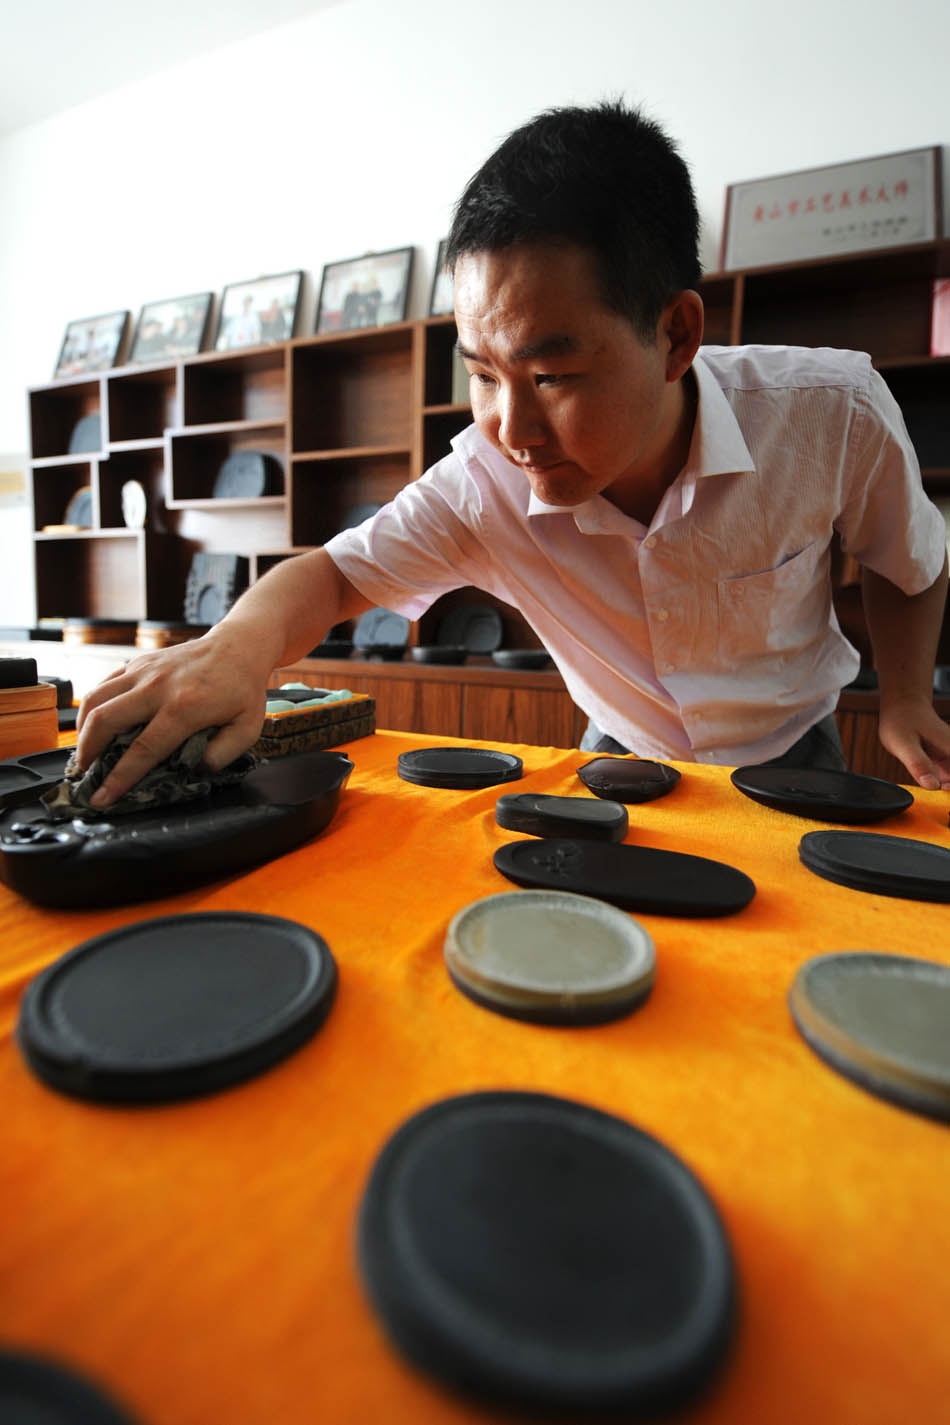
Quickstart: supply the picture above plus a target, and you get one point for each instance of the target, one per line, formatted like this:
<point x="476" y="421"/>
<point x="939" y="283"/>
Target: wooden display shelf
<point x="350" y="452"/>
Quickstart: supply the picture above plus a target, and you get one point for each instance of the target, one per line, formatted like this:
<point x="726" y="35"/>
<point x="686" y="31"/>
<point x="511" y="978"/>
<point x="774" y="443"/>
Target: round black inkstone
<point x="632" y="877"/>
<point x="883" y="1021"/>
<point x="821" y="793"/>
<point x="884" y="865"/>
<point x="541" y="815"/>
<point x="460" y="768"/>
<point x="34" y="1391"/>
<point x="628" y="779"/>
<point x="533" y="1251"/>
<point x="177" y="1006"/>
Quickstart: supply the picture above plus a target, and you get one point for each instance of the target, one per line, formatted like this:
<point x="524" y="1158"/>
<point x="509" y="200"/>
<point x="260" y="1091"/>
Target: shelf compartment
<point x="55" y="484"/>
<point x="353" y="391"/>
<point x="194" y="459"/>
<point x="438" y="428"/>
<point x="879" y="302"/>
<point x="143" y="462"/>
<point x="55" y="412"/>
<point x="923" y="394"/>
<point x="323" y="492"/>
<point x="142" y="404"/>
<point x="439" y="380"/>
<point x="115" y="574"/>
<point x="249" y="386"/>
<point x="267" y="559"/>
<point x="719" y="294"/>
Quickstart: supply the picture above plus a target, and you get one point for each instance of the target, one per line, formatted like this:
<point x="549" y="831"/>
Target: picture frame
<point x="442" y="296"/>
<point x="367" y="291"/>
<point x="91" y="344"/>
<point x="176" y="326"/>
<point x="865" y="205"/>
<point x="259" y="311"/>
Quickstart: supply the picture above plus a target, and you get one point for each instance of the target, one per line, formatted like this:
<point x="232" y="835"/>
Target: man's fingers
<point x="232" y="740"/>
<point x="154" y="743"/>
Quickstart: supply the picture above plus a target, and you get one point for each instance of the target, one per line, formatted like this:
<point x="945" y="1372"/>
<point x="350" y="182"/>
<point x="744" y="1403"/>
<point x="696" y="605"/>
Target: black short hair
<point x="604" y="178"/>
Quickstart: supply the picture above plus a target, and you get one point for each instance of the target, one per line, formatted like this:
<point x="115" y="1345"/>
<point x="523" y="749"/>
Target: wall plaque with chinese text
<point x="862" y="206"/>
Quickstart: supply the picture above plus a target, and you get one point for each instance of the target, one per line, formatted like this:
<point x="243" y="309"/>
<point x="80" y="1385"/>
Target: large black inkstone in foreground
<point x="534" y="1251"/>
<point x="36" y="1391"/>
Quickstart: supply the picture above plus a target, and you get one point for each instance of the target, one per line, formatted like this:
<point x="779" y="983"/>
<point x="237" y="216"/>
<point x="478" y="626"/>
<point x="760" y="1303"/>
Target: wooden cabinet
<point x="348" y="418"/>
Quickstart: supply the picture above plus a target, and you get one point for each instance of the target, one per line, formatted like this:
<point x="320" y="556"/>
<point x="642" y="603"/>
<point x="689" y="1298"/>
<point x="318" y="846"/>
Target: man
<point x="662" y="518"/>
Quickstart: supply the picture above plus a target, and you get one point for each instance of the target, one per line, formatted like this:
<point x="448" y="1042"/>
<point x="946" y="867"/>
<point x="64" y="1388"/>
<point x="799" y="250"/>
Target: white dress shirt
<point x="709" y="636"/>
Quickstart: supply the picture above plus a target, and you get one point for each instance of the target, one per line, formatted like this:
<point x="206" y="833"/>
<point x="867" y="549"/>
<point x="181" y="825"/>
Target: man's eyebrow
<point x="558" y="344"/>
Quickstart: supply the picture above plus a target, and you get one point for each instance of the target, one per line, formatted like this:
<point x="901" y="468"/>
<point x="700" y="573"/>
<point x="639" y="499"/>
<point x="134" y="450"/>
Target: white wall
<point x="355" y="128"/>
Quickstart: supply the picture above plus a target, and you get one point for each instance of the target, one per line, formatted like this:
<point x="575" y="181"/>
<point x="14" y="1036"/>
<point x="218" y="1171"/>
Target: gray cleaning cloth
<point x="181" y="777"/>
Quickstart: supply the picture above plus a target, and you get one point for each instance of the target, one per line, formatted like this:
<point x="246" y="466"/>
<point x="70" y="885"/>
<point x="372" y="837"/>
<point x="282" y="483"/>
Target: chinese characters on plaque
<point x="863" y="206"/>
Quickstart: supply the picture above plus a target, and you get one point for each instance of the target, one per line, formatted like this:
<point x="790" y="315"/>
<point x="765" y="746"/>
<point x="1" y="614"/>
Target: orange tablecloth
<point x="198" y="1259"/>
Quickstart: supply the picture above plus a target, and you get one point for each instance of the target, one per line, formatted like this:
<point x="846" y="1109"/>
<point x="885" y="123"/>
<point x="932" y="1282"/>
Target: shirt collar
<point x="717" y="447"/>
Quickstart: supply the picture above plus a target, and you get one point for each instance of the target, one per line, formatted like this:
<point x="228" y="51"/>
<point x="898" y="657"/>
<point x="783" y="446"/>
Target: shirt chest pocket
<point x="776" y="611"/>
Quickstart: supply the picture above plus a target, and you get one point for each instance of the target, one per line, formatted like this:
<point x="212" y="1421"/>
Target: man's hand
<point x="219" y="680"/>
<point x="913" y="733"/>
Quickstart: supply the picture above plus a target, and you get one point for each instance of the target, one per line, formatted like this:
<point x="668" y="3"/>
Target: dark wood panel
<point x="518" y="715"/>
<point x="412" y="705"/>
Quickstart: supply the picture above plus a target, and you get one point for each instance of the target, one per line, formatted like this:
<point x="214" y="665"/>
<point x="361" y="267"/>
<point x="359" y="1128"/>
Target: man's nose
<point x="520" y="423"/>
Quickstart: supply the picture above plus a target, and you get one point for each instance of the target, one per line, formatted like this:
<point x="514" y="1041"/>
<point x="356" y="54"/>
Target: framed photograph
<point x="368" y="291"/>
<point x="442" y="297"/>
<point x="862" y="206"/>
<point x="258" y="311"/>
<point x="91" y="344"/>
<point x="176" y="327"/>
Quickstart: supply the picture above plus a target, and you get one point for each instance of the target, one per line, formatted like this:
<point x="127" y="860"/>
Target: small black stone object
<point x="37" y="1391"/>
<point x="17" y="672"/>
<point x="532" y="1251"/>
<point x="628" y="779"/>
<point x="822" y="793"/>
<point x="458" y="768"/>
<point x="884" y="865"/>
<point x="541" y="815"/>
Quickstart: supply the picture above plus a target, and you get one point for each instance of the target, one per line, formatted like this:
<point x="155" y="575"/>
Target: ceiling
<point x="57" y="53"/>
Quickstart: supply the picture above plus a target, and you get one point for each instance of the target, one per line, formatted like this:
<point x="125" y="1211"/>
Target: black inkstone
<point x="628" y="779"/>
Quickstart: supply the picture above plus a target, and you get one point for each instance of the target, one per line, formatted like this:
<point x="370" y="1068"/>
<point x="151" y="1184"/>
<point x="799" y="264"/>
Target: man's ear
<point x="681" y="325"/>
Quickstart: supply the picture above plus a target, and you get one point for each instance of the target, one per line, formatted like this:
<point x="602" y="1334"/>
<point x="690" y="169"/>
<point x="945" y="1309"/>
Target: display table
<point x="198" y="1260"/>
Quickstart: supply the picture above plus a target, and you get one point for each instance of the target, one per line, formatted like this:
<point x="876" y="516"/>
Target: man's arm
<point x="219" y="680"/>
<point x="904" y="631"/>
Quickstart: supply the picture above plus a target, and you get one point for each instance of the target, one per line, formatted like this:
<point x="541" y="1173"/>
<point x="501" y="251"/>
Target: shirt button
<point x="650" y="541"/>
<point x="669" y="668"/>
<point x="662" y="615"/>
<point x="737" y="591"/>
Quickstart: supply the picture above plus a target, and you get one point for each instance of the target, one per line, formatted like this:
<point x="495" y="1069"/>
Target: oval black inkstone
<point x="628" y="779"/>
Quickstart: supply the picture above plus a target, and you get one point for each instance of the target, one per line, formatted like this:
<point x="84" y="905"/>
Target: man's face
<point x="563" y="386"/>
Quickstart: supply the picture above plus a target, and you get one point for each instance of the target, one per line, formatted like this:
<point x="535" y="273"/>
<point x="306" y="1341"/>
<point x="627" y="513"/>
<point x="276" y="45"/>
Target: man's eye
<point x="481" y="378"/>
<point x="549" y="378"/>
